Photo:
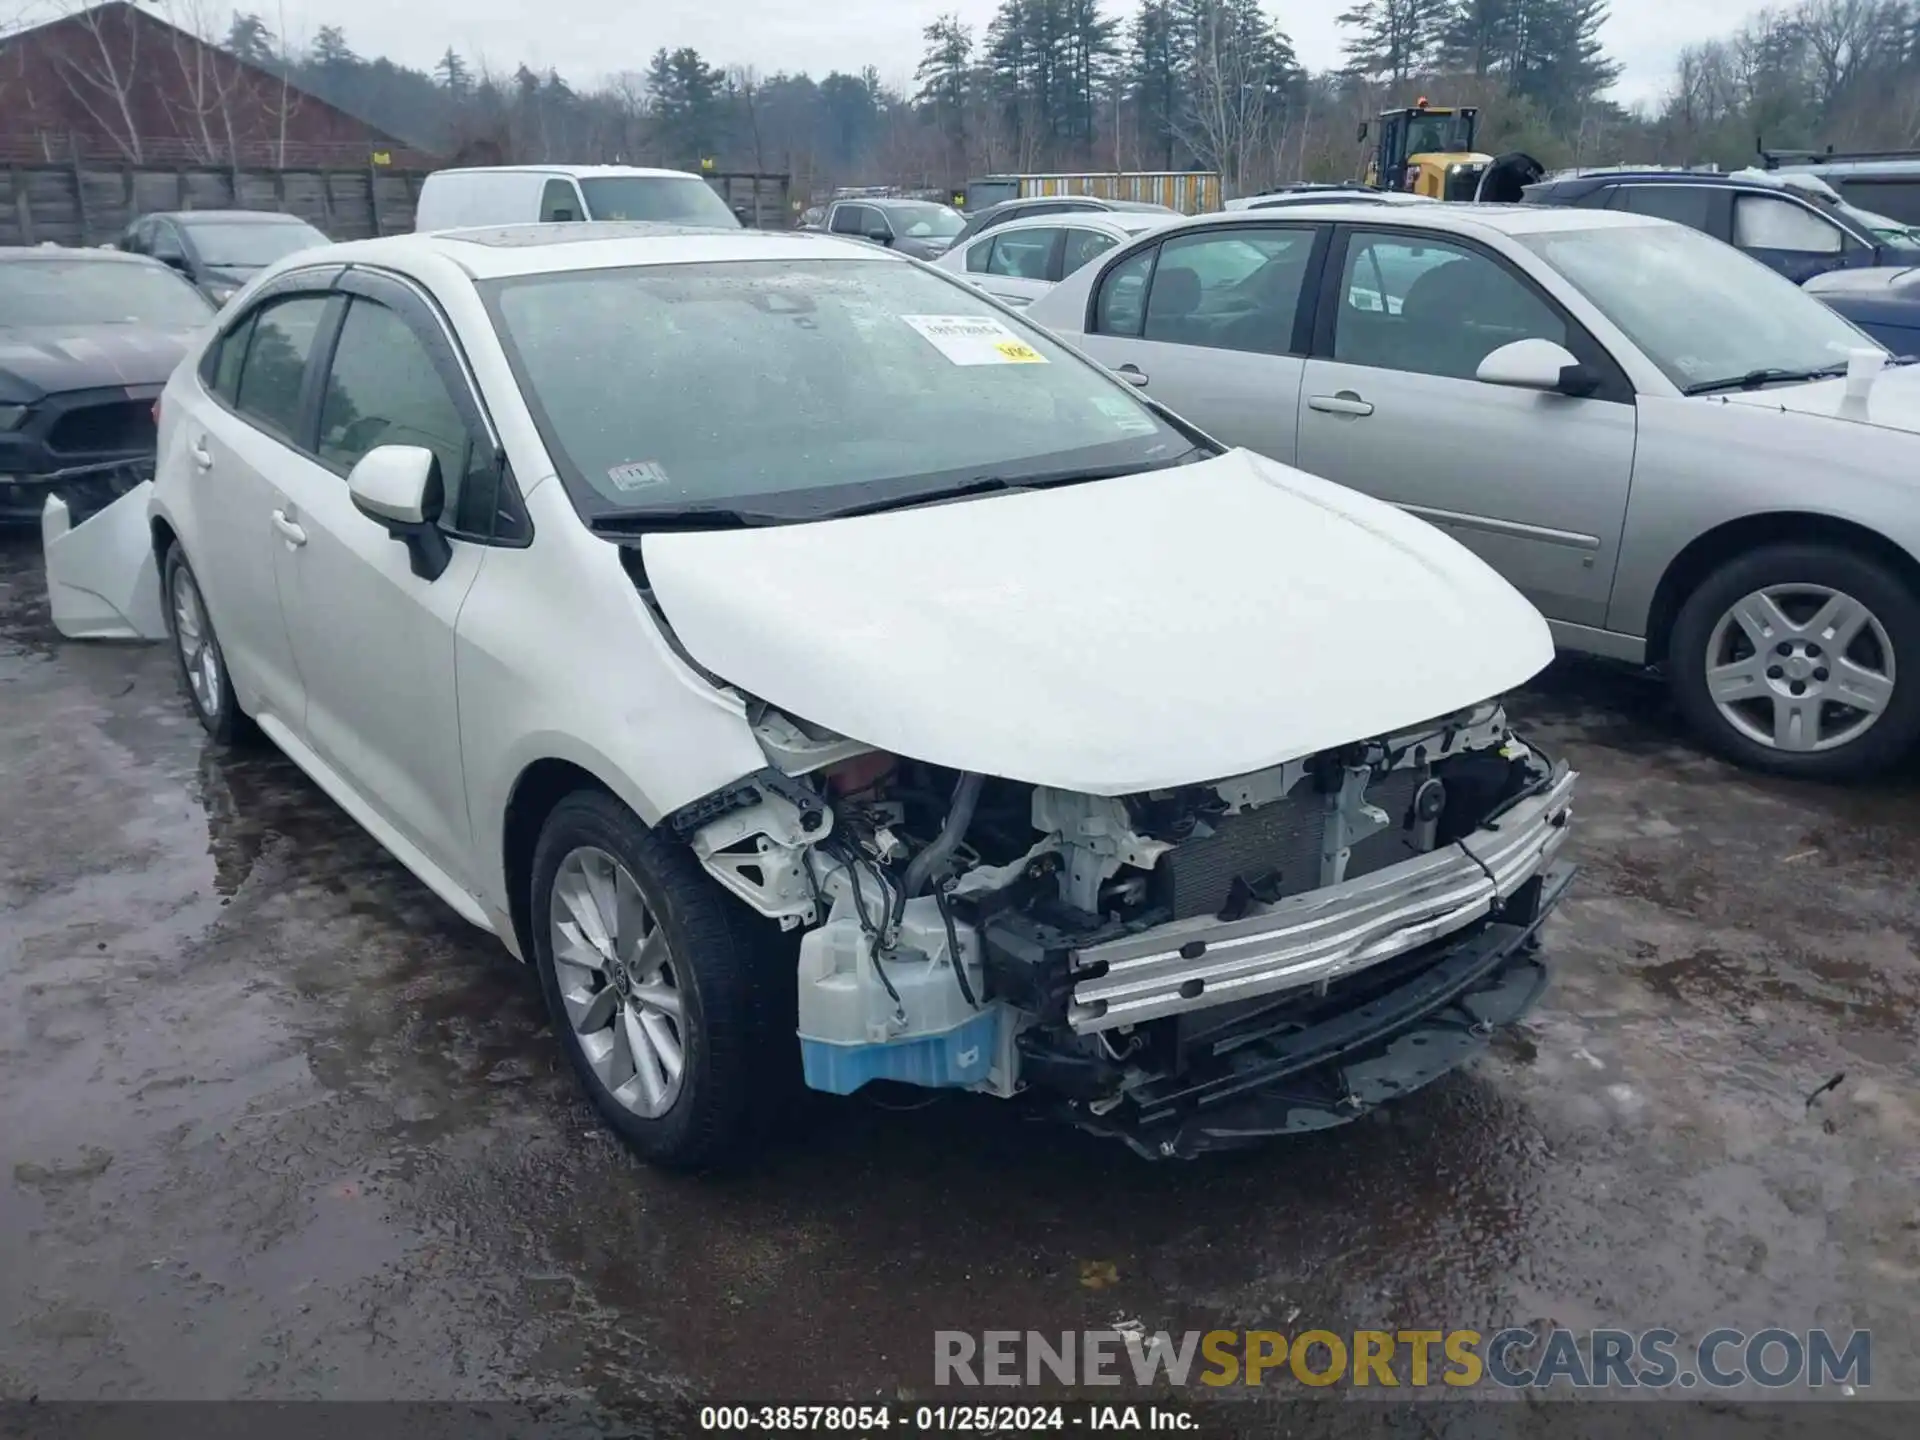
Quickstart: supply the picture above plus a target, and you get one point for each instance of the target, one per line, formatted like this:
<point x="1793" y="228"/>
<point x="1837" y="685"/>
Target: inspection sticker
<point x="974" y="340"/>
<point x="637" y="475"/>
<point x="1130" y="416"/>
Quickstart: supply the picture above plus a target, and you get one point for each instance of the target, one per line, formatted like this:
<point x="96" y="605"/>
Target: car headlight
<point x="12" y="416"/>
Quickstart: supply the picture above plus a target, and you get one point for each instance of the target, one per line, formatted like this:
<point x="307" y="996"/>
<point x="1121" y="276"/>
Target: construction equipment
<point x="1428" y="150"/>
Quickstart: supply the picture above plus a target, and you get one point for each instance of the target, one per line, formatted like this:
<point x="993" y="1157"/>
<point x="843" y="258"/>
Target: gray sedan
<point x="1647" y="432"/>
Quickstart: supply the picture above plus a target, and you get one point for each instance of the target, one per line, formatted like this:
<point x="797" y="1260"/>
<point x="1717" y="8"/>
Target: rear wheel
<point x="196" y="650"/>
<point x="668" y="995"/>
<point x="1803" y="660"/>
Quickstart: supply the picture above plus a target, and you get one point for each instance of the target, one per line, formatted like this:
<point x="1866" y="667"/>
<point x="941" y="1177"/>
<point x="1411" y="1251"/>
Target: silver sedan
<point x="1653" y="436"/>
<point x="1019" y="261"/>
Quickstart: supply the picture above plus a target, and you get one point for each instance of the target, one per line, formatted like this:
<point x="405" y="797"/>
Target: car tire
<point x="735" y="1000"/>
<point x="1753" y="663"/>
<point x="201" y="663"/>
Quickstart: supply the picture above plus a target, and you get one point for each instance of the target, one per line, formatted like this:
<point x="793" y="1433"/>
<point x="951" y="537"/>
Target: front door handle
<point x="202" y="456"/>
<point x="289" y="531"/>
<point x="1345" y="403"/>
<point x="1133" y="375"/>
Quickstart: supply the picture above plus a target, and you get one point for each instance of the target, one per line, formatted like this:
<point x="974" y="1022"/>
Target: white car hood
<point x="1892" y="404"/>
<point x="1122" y="635"/>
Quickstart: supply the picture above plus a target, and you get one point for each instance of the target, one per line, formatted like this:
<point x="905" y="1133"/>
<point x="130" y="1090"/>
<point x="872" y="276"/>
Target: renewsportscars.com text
<point x="1511" y="1358"/>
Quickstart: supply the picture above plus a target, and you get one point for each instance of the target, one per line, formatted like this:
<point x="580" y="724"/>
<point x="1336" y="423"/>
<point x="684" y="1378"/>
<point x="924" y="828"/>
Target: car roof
<point x="578" y="172"/>
<point x="1459" y="218"/>
<point x="498" y="251"/>
<point x="1115" y="222"/>
<point x="227" y="217"/>
<point x="72" y="252"/>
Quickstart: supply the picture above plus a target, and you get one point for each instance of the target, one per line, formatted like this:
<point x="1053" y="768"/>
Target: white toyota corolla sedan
<point x="817" y="672"/>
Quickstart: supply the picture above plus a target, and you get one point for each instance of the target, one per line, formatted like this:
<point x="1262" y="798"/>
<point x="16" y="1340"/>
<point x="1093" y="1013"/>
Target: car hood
<point x="1892" y="404"/>
<point x="43" y="360"/>
<point x="1117" y="636"/>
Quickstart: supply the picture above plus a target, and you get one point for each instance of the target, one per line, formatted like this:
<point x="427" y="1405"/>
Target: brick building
<point x="116" y="85"/>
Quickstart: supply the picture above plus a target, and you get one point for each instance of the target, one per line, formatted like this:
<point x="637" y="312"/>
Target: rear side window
<point x="1689" y="205"/>
<point x="1122" y="302"/>
<point x="225" y="381"/>
<point x="979" y="255"/>
<point x="558" y="202"/>
<point x="850" y="220"/>
<point x="268" y="391"/>
<point x="1083" y="246"/>
<point x="1238" y="290"/>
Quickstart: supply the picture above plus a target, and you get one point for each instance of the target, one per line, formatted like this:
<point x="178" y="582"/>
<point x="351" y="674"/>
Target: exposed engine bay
<point x="1188" y="968"/>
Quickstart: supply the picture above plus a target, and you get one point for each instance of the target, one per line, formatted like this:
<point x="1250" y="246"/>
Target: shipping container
<point x="1191" y="192"/>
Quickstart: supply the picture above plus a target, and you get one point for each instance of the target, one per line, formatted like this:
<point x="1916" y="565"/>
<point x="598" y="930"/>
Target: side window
<point x="1237" y="290"/>
<point x="164" y="242"/>
<point x="1121" y="306"/>
<point x="1083" y="246"/>
<point x="133" y="238"/>
<point x="1690" y="205"/>
<point x="383" y="389"/>
<point x="268" y="390"/>
<point x="1022" y="254"/>
<point x="978" y="255"/>
<point x="1431" y="308"/>
<point x="1761" y="222"/>
<point x="559" y="201"/>
<point x="847" y="220"/>
<point x="232" y="350"/>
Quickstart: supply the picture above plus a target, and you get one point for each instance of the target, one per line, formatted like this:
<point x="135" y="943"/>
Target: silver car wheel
<point x="199" y="657"/>
<point x="1800" y="668"/>
<point x="616" y="979"/>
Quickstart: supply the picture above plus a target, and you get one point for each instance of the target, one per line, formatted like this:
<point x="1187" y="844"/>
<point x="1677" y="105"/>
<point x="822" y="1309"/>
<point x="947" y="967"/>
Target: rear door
<point x="238" y="438"/>
<point x="1536" y="484"/>
<point x="1706" y="208"/>
<point x="1211" y="323"/>
<point x="1021" y="264"/>
<point x="374" y="641"/>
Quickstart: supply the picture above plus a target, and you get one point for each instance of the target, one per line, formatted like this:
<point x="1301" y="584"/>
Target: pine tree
<point x="452" y="75"/>
<point x="1159" y="49"/>
<point x="1478" y="36"/>
<point x="331" y="51"/>
<point x="1393" y="40"/>
<point x="249" y="39"/>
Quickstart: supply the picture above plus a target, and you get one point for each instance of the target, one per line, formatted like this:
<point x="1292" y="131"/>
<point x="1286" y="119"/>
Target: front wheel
<point x="668" y="994"/>
<point x="1802" y="660"/>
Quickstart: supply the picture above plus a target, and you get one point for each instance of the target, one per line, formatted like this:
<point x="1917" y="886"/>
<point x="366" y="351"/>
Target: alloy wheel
<point x="617" y="981"/>
<point x="1801" y="668"/>
<point x="199" y="656"/>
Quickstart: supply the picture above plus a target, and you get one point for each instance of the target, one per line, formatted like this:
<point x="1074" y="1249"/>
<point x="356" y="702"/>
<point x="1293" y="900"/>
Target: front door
<point x="1018" y="266"/>
<point x="375" y="642"/>
<point x="1790" y="236"/>
<point x="1206" y="323"/>
<point x="1535" y="483"/>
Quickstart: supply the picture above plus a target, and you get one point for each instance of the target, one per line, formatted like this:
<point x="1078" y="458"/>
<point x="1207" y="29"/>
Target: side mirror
<point x="1537" y="365"/>
<point x="1363" y="132"/>
<point x="398" y="488"/>
<point x="880" y="237"/>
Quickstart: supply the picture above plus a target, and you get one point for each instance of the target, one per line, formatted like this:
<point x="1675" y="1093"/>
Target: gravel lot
<point x="275" y="1124"/>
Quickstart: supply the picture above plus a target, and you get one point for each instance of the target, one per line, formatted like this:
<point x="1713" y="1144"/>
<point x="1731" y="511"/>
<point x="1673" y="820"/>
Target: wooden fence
<point x="87" y="204"/>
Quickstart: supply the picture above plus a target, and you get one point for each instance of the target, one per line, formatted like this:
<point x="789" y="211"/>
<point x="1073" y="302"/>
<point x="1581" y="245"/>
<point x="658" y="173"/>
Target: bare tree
<point x="1227" y="119"/>
<point x="285" y="98"/>
<point x="100" y="71"/>
<point x="208" y="81"/>
<point x="1844" y="38"/>
<point x="744" y="81"/>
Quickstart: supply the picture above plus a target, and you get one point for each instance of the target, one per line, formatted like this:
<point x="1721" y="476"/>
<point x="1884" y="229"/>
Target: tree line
<point x="1208" y="84"/>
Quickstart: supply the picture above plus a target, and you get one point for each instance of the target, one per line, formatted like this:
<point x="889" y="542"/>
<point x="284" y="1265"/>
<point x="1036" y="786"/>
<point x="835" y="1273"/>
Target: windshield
<point x="98" y="292"/>
<point x="925" y="221"/>
<point x="801" y="386"/>
<point x="1699" y="310"/>
<point x="249" y="245"/>
<point x="1881" y="227"/>
<point x="1430" y="134"/>
<point x="666" y="199"/>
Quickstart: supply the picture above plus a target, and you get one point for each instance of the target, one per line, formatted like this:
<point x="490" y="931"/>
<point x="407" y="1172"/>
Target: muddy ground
<point x="275" y="1124"/>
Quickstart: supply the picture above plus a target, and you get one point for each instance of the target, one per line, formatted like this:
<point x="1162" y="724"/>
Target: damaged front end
<point x="1188" y="969"/>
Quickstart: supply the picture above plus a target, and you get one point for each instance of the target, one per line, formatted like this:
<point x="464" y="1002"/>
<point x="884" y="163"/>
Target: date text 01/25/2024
<point x="880" y="1420"/>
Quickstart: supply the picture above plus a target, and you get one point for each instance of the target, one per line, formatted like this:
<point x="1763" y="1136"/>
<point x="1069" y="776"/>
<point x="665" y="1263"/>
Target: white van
<point x="528" y="194"/>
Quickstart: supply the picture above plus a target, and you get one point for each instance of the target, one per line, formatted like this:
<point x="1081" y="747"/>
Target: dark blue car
<point x="1884" y="302"/>
<point x="1797" y="224"/>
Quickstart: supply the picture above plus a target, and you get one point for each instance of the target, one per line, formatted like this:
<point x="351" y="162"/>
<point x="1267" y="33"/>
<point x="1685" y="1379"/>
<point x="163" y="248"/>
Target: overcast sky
<point x="588" y="39"/>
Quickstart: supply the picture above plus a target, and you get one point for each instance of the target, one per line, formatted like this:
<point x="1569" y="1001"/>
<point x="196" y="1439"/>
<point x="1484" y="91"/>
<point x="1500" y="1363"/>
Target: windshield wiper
<point x="1754" y="379"/>
<point x="687" y="517"/>
<point x="995" y="484"/>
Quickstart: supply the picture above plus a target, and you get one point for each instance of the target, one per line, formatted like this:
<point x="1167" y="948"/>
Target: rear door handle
<point x="202" y="456"/>
<point x="289" y="531"/>
<point x="1133" y="375"/>
<point x="1345" y="403"/>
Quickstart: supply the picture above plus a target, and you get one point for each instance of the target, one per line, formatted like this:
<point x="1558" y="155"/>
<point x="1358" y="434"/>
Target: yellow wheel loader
<point x="1429" y="150"/>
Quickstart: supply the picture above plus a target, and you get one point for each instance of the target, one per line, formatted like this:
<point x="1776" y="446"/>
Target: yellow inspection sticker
<point x="974" y="340"/>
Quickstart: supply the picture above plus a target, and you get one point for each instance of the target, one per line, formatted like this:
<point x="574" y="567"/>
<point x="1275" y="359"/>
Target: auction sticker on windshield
<point x="974" y="340"/>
